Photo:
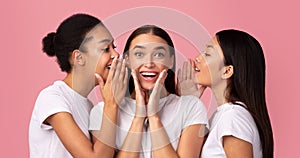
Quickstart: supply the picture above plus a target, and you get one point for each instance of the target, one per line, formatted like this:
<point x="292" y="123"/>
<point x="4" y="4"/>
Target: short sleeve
<point x="96" y="117"/>
<point x="194" y="111"/>
<point x="237" y="123"/>
<point x="47" y="104"/>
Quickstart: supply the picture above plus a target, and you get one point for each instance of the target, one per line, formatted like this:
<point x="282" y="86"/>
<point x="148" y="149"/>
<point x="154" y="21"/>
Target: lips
<point x="108" y="66"/>
<point x="197" y="69"/>
<point x="149" y="75"/>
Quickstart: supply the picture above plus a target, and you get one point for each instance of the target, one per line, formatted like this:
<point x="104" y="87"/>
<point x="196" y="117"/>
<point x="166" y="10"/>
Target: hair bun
<point x="48" y="44"/>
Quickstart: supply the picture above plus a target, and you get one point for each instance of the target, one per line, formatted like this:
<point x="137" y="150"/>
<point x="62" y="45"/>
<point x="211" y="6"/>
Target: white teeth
<point x="108" y="66"/>
<point x="148" y="73"/>
<point x="196" y="69"/>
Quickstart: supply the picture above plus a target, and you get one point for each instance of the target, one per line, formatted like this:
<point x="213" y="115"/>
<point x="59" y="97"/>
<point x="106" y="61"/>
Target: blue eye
<point x="159" y="55"/>
<point x="139" y="54"/>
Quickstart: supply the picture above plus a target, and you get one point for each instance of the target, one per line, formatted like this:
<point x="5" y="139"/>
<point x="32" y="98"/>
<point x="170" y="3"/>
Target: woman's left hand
<point x="114" y="89"/>
<point x="157" y="92"/>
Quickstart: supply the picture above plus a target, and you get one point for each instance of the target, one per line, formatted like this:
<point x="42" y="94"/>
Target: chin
<point x="147" y="86"/>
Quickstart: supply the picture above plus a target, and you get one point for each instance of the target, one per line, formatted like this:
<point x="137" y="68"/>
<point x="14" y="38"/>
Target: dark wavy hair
<point x="247" y="84"/>
<point x="68" y="37"/>
<point x="170" y="83"/>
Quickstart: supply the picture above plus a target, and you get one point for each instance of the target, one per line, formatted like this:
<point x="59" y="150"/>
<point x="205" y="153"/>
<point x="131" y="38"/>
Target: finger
<point x="178" y="87"/>
<point x="184" y="70"/>
<point x="192" y="69"/>
<point x="179" y="75"/>
<point x="117" y="71"/>
<point x="112" y="70"/>
<point x="123" y="70"/>
<point x="100" y="80"/>
<point x="160" y="81"/>
<point x="162" y="76"/>
<point x="136" y="82"/>
<point x="189" y="70"/>
<point x="126" y="76"/>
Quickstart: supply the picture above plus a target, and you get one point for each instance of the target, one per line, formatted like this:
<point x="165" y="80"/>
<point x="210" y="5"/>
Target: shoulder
<point x="235" y="114"/>
<point x="192" y="103"/>
<point x="56" y="89"/>
<point x="235" y="120"/>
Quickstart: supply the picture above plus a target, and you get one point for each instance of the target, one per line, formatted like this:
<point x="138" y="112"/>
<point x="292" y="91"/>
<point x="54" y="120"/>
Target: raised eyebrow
<point x="160" y="47"/>
<point x="138" y="46"/>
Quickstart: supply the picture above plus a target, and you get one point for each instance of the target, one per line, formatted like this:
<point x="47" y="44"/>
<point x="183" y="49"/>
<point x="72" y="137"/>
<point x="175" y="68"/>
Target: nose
<point x="199" y="58"/>
<point x="114" y="53"/>
<point x="148" y="61"/>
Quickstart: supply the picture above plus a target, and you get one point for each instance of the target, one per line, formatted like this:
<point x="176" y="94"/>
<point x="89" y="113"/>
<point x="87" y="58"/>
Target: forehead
<point x="147" y="39"/>
<point x="99" y="33"/>
<point x="215" y="46"/>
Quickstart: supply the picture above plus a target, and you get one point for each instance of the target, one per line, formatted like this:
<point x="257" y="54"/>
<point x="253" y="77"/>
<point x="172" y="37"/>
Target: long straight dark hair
<point x="170" y="84"/>
<point x="247" y="84"/>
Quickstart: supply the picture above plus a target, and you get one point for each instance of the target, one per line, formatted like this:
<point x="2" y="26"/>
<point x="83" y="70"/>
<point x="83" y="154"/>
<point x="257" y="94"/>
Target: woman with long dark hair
<point x="233" y="66"/>
<point x="153" y="120"/>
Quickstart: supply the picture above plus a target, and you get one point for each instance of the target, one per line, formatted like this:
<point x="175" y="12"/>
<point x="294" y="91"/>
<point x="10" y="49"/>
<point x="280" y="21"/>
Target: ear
<point x="78" y="58"/>
<point x="227" y="72"/>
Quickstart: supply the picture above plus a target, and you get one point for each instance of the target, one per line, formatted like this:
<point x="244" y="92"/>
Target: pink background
<point x="26" y="70"/>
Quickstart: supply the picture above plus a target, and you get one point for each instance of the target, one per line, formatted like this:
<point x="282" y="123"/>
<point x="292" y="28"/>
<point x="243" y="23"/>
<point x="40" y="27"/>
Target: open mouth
<point x="197" y="69"/>
<point x="149" y="76"/>
<point x="108" y="66"/>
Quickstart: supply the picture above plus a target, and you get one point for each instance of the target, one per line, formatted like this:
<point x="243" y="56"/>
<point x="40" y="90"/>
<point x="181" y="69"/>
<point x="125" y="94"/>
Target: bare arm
<point x="74" y="139"/>
<point x="191" y="141"/>
<point x="132" y="144"/>
<point x="235" y="147"/>
<point x="161" y="146"/>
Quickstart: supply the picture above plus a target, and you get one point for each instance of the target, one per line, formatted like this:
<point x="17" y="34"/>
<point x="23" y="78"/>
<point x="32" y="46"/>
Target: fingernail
<point x="97" y="75"/>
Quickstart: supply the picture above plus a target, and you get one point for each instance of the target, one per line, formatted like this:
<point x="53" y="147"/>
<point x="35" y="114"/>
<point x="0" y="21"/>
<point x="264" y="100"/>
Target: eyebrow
<point x="138" y="46"/>
<point x="160" y="47"/>
<point x="210" y="46"/>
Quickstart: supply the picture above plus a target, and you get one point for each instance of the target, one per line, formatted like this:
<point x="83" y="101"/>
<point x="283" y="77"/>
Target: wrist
<point x="110" y="106"/>
<point x="154" y="117"/>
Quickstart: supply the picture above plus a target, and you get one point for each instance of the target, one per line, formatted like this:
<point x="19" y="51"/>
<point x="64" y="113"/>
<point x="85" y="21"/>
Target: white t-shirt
<point x="59" y="97"/>
<point x="234" y="120"/>
<point x="176" y="113"/>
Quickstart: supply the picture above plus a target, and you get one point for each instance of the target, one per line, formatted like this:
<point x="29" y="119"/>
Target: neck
<point x="219" y="92"/>
<point x="80" y="82"/>
<point x="147" y="93"/>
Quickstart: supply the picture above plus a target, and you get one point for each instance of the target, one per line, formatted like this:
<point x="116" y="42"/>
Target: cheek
<point x="167" y="63"/>
<point x="134" y="63"/>
<point x="161" y="67"/>
<point x="101" y="66"/>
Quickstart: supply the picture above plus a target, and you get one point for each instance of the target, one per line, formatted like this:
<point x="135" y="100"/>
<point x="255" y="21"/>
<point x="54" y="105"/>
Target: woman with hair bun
<point x="59" y="123"/>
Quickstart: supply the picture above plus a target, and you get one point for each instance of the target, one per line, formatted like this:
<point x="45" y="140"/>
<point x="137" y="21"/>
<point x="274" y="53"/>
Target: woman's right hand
<point x="186" y="81"/>
<point x="114" y="89"/>
<point x="139" y="97"/>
